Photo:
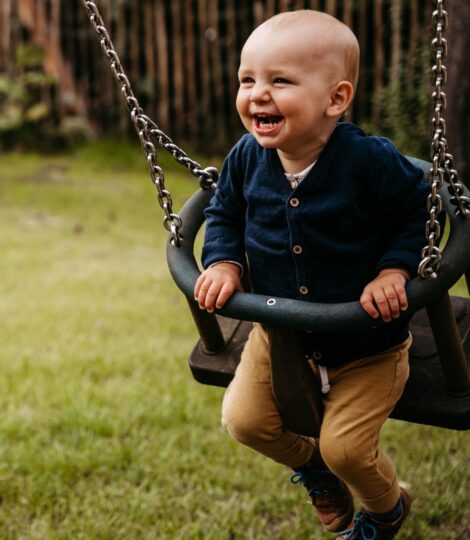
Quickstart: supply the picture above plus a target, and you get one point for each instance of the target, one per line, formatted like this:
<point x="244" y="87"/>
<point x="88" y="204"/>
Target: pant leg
<point x="249" y="411"/>
<point x="362" y="396"/>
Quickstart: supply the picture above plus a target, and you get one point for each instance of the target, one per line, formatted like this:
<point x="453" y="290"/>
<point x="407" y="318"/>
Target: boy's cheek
<point x="241" y="103"/>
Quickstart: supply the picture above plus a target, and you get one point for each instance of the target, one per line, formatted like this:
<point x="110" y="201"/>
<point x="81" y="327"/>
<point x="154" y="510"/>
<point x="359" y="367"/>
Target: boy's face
<point x="285" y="91"/>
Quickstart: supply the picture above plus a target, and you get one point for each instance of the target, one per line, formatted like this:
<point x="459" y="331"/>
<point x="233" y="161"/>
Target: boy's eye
<point x="281" y="80"/>
<point x="247" y="80"/>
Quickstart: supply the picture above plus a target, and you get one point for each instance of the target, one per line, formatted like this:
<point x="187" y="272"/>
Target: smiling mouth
<point x="266" y="120"/>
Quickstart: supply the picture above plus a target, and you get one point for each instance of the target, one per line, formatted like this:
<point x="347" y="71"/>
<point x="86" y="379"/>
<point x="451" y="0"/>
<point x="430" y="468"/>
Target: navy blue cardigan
<point x="360" y="209"/>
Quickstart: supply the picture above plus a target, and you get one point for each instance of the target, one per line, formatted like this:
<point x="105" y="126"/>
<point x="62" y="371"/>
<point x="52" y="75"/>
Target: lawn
<point x="103" y="432"/>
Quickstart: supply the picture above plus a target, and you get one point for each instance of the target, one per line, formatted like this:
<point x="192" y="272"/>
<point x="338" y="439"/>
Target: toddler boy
<point x="315" y="210"/>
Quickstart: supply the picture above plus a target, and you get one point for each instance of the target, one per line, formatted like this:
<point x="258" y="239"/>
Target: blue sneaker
<point x="365" y="527"/>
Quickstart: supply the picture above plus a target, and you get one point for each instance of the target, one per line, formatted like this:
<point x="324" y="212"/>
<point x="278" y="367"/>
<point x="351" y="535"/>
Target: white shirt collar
<point x="294" y="179"/>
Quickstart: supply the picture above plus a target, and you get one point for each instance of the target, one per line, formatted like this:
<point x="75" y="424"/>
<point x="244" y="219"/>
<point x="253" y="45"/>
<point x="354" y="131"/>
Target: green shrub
<point x="27" y="106"/>
<point x="405" y="108"/>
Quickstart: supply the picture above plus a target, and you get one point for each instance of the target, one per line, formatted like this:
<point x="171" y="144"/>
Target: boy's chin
<point x="264" y="141"/>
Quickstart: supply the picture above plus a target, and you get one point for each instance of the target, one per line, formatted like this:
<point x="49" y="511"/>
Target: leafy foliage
<point x="406" y="110"/>
<point x="27" y="107"/>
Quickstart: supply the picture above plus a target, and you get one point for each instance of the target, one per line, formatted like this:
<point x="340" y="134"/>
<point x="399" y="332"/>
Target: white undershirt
<point x="294" y="179"/>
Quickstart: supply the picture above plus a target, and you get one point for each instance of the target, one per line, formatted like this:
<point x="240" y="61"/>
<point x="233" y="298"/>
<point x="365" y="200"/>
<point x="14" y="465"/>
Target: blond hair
<point x="332" y="41"/>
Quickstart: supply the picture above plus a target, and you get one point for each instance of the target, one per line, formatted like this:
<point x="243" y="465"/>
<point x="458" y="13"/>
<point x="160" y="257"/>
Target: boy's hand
<point x="385" y="296"/>
<point x="216" y="285"/>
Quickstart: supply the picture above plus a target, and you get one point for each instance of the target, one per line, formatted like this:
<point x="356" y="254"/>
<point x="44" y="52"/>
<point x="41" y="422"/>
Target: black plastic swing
<point x="438" y="390"/>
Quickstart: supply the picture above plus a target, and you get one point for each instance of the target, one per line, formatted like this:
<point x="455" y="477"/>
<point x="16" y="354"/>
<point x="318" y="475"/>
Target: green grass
<point x="103" y="432"/>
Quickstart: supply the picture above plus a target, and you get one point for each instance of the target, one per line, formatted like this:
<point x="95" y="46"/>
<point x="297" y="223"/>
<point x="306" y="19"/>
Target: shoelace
<point x="363" y="526"/>
<point x="319" y="480"/>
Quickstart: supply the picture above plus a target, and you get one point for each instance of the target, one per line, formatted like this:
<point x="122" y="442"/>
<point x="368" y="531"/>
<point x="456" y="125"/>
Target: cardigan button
<point x="317" y="355"/>
<point x="297" y="249"/>
<point x="303" y="289"/>
<point x="294" y="202"/>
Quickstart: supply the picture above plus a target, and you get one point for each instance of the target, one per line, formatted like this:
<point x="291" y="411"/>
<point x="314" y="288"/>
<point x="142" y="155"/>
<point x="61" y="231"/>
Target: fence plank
<point x="107" y="86"/>
<point x="121" y="32"/>
<point x="217" y="108"/>
<point x="27" y="13"/>
<point x="347" y="16"/>
<point x="204" y="63"/>
<point x="162" y="67"/>
<point x="177" y="65"/>
<point x="270" y="9"/>
<point x="396" y="11"/>
<point x="190" y="67"/>
<point x="284" y="5"/>
<point x="361" y="98"/>
<point x="149" y="53"/>
<point x="379" y="60"/>
<point x="187" y="53"/>
<point x="258" y="10"/>
<point x="331" y="7"/>
<point x="412" y="39"/>
<point x="5" y="39"/>
<point x="133" y="40"/>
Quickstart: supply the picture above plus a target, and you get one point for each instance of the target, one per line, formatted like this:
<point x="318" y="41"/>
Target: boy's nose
<point x="259" y="93"/>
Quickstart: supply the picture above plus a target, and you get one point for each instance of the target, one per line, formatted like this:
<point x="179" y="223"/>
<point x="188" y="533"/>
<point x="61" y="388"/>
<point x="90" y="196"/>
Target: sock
<point x="390" y="516"/>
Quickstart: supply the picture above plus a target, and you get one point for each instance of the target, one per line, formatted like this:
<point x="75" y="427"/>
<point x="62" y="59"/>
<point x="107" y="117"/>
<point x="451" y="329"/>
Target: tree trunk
<point x="458" y="87"/>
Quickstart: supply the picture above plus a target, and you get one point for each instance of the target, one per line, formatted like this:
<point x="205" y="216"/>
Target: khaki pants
<point x="363" y="394"/>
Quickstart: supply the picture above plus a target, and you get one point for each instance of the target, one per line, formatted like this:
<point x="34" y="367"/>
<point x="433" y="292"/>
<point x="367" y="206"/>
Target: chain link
<point x="442" y="169"/>
<point x="146" y="129"/>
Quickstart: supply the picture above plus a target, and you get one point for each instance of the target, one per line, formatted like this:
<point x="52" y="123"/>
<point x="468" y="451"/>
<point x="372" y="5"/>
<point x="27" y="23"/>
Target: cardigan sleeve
<point x="400" y="195"/>
<point x="225" y="215"/>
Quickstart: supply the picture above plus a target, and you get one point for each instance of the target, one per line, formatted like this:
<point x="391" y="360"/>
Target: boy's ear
<point x="341" y="97"/>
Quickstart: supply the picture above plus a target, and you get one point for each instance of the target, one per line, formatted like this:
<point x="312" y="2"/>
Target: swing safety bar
<point x="317" y="317"/>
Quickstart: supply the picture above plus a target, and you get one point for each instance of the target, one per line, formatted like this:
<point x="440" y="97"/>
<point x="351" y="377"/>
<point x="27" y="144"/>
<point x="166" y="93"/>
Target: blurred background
<point x="182" y="58"/>
<point x="103" y="432"/>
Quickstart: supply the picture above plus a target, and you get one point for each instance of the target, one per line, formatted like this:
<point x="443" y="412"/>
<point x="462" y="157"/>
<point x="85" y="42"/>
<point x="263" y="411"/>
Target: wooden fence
<point x="182" y="56"/>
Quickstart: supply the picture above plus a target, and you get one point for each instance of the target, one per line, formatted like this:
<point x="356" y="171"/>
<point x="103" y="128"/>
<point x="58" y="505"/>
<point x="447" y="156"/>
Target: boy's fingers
<point x="213" y="290"/>
<point x="393" y="301"/>
<point x="402" y="298"/>
<point x="368" y="305"/>
<point x="383" y="306"/>
<point x="384" y="297"/>
<point x="225" y="293"/>
<point x="197" y="287"/>
<point x="202" y="294"/>
<point x="201" y="298"/>
<point x="211" y="296"/>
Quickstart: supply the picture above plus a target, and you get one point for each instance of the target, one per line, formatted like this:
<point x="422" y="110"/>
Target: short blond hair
<point x="338" y="43"/>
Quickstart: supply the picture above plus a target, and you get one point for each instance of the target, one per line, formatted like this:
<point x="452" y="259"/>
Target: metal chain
<point x="442" y="169"/>
<point x="146" y="129"/>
